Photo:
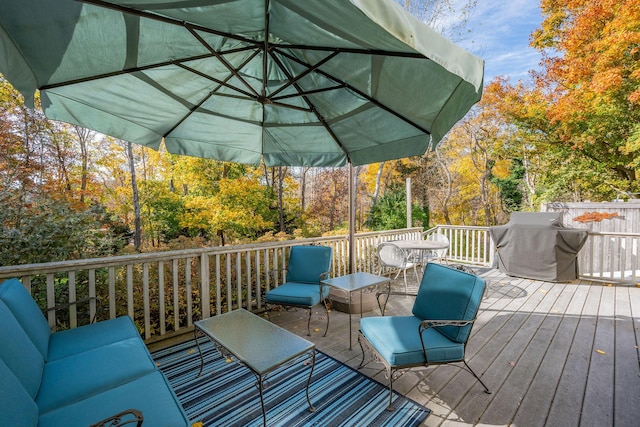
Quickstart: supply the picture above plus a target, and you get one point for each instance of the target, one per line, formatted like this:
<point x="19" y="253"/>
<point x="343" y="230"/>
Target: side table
<point x="355" y="282"/>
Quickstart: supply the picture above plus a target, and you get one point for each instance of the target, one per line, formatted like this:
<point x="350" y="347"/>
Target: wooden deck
<point x="553" y="354"/>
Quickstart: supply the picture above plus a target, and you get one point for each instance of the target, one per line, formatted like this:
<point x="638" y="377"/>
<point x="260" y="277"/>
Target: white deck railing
<point x="165" y="292"/>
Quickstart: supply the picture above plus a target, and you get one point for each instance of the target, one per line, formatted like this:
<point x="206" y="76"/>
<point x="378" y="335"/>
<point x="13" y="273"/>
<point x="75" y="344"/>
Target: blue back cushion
<point x="27" y="313"/>
<point x="448" y="294"/>
<point x="307" y="263"/>
<point x="17" y="408"/>
<point x="18" y="352"/>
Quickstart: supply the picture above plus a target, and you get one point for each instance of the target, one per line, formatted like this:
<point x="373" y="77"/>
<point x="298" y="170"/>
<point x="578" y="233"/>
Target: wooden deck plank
<point x="566" y="408"/>
<point x="597" y="408"/>
<point x="626" y="409"/>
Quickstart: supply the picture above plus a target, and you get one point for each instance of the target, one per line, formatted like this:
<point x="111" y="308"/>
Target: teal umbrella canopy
<point x="302" y="83"/>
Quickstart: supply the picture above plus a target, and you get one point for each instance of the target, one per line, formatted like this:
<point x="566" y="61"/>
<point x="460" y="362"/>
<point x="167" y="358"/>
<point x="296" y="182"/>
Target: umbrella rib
<point x="221" y="59"/>
<point x="304" y="73"/>
<point x="218" y="81"/>
<point x="320" y="117"/>
<point x="166" y="19"/>
<point x="137" y="69"/>
<point x="309" y="92"/>
<point x="359" y="92"/>
<point x="120" y="72"/>
<point x="361" y="51"/>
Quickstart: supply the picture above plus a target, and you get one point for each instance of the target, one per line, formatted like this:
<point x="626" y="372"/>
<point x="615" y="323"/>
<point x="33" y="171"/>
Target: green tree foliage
<point x="591" y="88"/>
<point x="390" y="212"/>
<point x="51" y="229"/>
<point x="511" y="187"/>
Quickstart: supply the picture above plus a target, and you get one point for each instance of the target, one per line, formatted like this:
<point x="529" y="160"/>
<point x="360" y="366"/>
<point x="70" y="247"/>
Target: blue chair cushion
<point x="149" y="394"/>
<point x="459" y="293"/>
<point x="307" y="263"/>
<point x="92" y="372"/>
<point x="397" y="340"/>
<point x="27" y="312"/>
<point x="301" y="294"/>
<point x="19" y="353"/>
<point x="17" y="408"/>
<point x="73" y="341"/>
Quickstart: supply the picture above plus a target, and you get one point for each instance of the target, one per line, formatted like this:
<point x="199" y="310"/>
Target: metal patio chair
<point x="443" y="314"/>
<point x="307" y="267"/>
<point x="394" y="257"/>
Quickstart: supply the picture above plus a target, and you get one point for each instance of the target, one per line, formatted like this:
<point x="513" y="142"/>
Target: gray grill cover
<point x="537" y="246"/>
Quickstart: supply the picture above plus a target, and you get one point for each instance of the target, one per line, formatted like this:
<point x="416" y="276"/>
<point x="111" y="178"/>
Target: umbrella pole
<point x="352" y="220"/>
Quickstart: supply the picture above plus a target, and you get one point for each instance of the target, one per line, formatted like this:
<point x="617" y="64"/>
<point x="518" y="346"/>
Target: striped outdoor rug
<point x="226" y="393"/>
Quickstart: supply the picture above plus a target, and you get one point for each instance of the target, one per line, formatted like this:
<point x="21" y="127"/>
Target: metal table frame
<point x="355" y="282"/>
<point x="255" y="343"/>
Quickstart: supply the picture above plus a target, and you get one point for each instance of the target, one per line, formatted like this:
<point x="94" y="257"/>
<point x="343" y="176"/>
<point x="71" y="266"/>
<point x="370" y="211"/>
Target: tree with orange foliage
<point x="591" y="80"/>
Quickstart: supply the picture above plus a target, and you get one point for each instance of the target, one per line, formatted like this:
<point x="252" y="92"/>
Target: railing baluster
<point x="175" y="283"/>
<point x="146" y="308"/>
<point x="218" y="287"/>
<point x="247" y="269"/>
<point x="239" y="279"/>
<point x="112" y="293"/>
<point x="130" y="303"/>
<point x="73" y="310"/>
<point x="92" y="293"/>
<point x="51" y="301"/>
<point x="161" y="300"/>
<point x="187" y="279"/>
<point x="205" y="290"/>
<point x="228" y="284"/>
<point x="258" y="281"/>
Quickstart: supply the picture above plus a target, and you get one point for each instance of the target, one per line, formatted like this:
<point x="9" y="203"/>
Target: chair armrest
<point x="426" y="324"/>
<point x="120" y="419"/>
<point x="80" y="301"/>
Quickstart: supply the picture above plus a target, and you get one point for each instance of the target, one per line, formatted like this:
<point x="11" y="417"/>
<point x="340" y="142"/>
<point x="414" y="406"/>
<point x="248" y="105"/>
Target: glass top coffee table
<point x="355" y="282"/>
<point x="256" y="343"/>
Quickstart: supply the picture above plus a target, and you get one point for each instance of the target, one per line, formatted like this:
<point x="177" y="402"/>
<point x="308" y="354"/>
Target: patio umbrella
<point x="313" y="83"/>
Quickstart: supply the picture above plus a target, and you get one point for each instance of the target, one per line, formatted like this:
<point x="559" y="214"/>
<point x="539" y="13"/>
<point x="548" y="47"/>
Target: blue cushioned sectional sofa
<point x="76" y="377"/>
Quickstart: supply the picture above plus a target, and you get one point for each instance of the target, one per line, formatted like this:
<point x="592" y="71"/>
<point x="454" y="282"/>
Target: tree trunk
<point x="376" y="191"/>
<point x="447" y="188"/>
<point x="84" y="136"/>
<point x="137" y="235"/>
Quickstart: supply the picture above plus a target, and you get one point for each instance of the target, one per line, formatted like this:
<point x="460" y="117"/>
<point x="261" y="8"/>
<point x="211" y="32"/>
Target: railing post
<point x="205" y="286"/>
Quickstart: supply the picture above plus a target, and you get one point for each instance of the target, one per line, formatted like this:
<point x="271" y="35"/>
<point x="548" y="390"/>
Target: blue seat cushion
<point x="301" y="294"/>
<point x="17" y="408"/>
<point x="27" y="313"/>
<point x="149" y="394"/>
<point x="397" y="340"/>
<point x="19" y="353"/>
<point x="73" y="341"/>
<point x="79" y="376"/>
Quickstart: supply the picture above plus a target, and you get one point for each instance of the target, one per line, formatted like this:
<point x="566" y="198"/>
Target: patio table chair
<point x="392" y="256"/>
<point x="303" y="287"/>
<point x="443" y="314"/>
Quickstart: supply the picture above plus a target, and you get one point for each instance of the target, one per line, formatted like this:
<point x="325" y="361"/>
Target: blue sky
<point x="499" y="34"/>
